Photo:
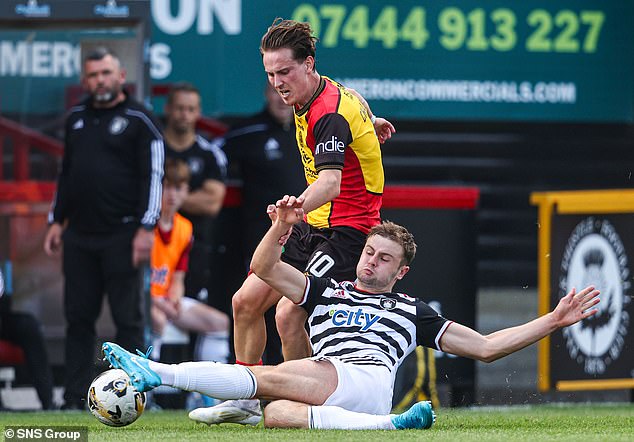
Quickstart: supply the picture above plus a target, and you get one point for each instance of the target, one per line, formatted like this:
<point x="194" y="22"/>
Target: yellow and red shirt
<point x="334" y="131"/>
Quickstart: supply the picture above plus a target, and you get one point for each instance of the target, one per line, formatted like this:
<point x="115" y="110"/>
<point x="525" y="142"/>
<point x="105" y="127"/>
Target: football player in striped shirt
<point x="360" y="333"/>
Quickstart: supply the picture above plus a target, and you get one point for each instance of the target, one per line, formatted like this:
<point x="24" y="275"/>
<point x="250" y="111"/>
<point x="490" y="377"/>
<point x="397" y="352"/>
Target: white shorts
<point x="361" y="388"/>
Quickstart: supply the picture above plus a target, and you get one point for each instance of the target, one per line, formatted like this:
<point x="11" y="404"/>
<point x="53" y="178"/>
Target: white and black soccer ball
<point x="113" y="400"/>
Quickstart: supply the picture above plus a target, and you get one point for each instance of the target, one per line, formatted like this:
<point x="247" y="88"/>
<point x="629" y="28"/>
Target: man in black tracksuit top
<point x="107" y="203"/>
<point x="207" y="164"/>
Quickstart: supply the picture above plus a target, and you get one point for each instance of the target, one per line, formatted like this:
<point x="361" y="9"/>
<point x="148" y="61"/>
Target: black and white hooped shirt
<point x="366" y="328"/>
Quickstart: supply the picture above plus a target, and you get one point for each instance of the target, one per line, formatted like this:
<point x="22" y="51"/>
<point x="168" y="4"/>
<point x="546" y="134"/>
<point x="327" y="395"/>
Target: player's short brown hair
<point x="398" y="234"/>
<point x="176" y="172"/>
<point x="291" y="34"/>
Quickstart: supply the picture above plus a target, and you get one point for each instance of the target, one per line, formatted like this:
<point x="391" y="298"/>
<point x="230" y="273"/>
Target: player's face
<point x="103" y="79"/>
<point x="183" y="112"/>
<point x="173" y="196"/>
<point x="289" y="77"/>
<point x="380" y="265"/>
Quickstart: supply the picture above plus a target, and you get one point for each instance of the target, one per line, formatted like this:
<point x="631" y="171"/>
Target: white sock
<point x="212" y="347"/>
<point x="221" y="381"/>
<point x="328" y="417"/>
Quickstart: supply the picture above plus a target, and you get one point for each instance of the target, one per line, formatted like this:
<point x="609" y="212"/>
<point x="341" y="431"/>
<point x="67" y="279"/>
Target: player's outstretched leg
<point x="242" y="411"/>
<point x="420" y="416"/>
<point x="137" y="367"/>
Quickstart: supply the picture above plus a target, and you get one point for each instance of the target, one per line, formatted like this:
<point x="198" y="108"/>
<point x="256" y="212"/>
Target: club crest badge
<point x="594" y="255"/>
<point x="196" y="165"/>
<point x="387" y="303"/>
<point x="118" y="125"/>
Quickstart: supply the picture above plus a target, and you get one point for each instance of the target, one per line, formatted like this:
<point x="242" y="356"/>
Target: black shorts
<point x="332" y="253"/>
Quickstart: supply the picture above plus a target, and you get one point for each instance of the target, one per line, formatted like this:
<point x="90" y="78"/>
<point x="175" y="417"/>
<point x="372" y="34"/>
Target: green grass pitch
<point x="586" y="422"/>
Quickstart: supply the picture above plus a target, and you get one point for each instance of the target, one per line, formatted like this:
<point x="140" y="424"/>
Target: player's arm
<point x="324" y="189"/>
<point x="383" y="128"/>
<point x="58" y="211"/>
<point x="176" y="290"/>
<point x="572" y="308"/>
<point x="207" y="200"/>
<point x="170" y="304"/>
<point x="150" y="160"/>
<point x="150" y="153"/>
<point x="266" y="263"/>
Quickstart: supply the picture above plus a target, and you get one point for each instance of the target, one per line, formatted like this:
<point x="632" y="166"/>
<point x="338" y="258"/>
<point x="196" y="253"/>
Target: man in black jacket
<point x="107" y="203"/>
<point x="207" y="164"/>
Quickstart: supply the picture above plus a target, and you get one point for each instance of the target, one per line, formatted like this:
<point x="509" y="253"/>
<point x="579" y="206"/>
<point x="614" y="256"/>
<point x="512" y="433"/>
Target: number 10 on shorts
<point x="320" y="264"/>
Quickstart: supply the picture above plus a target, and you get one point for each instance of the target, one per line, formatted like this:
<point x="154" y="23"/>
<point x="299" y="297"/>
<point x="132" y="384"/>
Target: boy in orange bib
<point x="173" y="240"/>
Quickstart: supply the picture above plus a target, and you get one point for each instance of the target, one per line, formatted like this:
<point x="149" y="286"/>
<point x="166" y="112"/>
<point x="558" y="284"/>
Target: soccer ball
<point x="113" y="400"/>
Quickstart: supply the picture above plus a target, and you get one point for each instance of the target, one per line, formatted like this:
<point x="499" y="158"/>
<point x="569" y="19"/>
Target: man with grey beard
<point x="107" y="202"/>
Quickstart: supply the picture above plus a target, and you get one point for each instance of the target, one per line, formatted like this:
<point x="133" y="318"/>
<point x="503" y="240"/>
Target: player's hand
<point x="272" y="213"/>
<point x="53" y="240"/>
<point x="574" y="307"/>
<point x="384" y="129"/>
<point x="166" y="305"/>
<point x="175" y="301"/>
<point x="175" y="309"/>
<point x="289" y="210"/>
<point x="142" y="246"/>
<point x="289" y="201"/>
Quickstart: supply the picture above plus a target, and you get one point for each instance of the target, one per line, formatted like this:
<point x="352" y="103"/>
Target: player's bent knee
<point x="248" y="303"/>
<point x="289" y="318"/>
<point x="271" y="415"/>
<point x="284" y="414"/>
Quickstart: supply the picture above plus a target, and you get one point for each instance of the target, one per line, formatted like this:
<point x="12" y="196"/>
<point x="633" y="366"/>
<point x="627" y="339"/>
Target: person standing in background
<point x="208" y="167"/>
<point x="107" y="203"/>
<point x="263" y="158"/>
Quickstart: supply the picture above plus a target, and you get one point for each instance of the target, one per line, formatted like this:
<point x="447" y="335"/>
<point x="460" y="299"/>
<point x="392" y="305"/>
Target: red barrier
<point x="403" y="197"/>
<point x="24" y="139"/>
<point x="27" y="191"/>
